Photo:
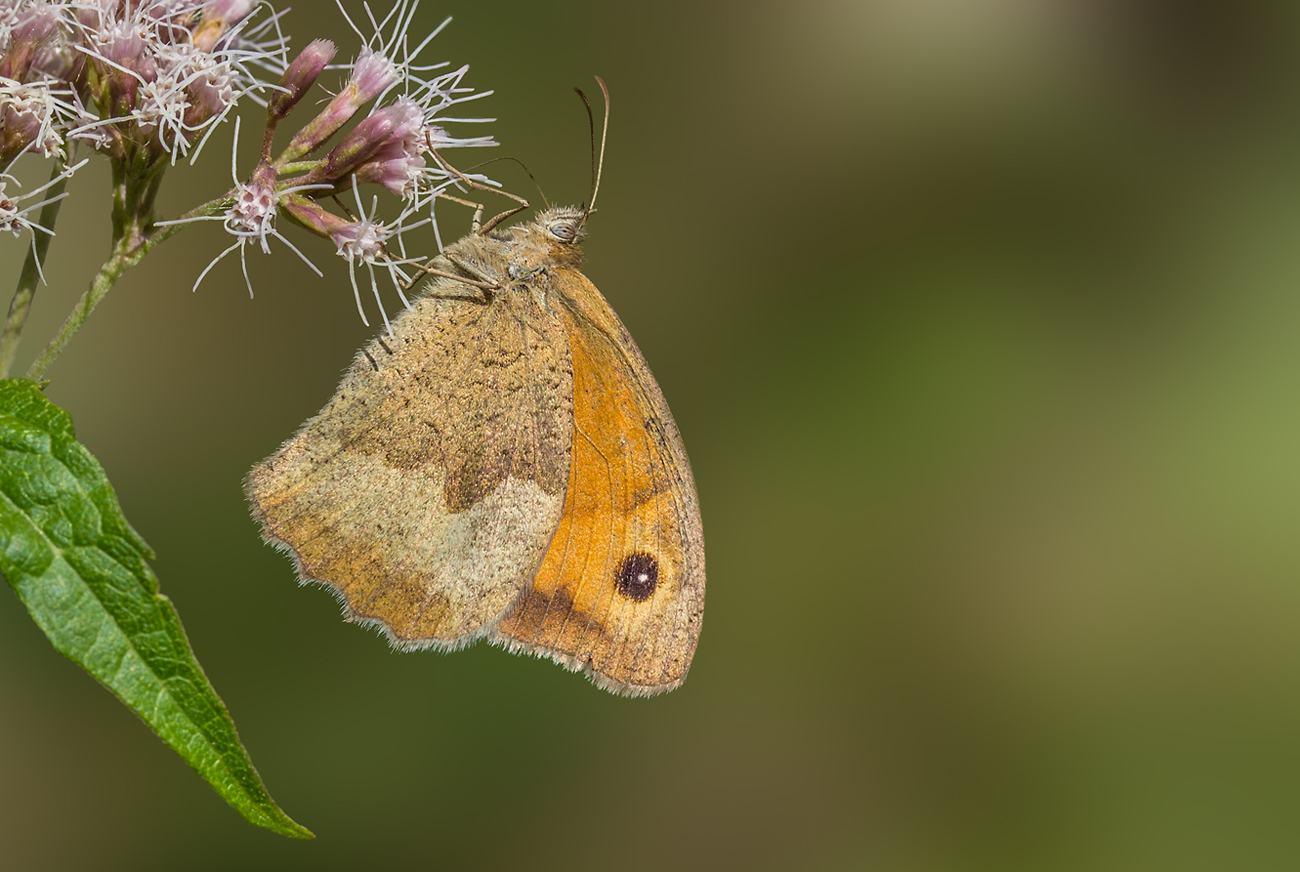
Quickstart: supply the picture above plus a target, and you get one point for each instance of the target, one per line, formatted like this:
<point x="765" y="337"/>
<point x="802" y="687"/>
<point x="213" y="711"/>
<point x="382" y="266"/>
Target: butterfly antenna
<point x="536" y="185"/>
<point x="597" y="164"/>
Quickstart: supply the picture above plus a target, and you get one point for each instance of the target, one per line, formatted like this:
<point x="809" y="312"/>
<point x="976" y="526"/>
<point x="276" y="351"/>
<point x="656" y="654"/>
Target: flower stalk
<point x="134" y="194"/>
<point x="21" y="304"/>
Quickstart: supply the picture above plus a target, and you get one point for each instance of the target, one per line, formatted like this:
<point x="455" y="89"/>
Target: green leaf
<point x="80" y="569"/>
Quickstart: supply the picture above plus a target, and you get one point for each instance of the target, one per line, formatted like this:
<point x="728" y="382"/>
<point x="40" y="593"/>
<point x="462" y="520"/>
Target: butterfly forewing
<point x="427" y="489"/>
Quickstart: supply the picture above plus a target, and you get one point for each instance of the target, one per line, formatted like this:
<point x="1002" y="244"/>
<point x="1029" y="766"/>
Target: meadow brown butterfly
<point x="502" y="466"/>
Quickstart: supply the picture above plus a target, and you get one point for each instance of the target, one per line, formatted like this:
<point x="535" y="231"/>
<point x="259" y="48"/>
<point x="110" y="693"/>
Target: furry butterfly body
<point x="504" y="466"/>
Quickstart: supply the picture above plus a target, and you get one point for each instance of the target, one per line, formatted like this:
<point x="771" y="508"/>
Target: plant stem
<point x="109" y="273"/>
<point x="301" y="166"/>
<point x="21" y="305"/>
<point x="134" y="236"/>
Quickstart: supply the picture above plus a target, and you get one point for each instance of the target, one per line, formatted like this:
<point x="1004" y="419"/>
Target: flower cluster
<point x="136" y="79"/>
<point x="141" y="81"/>
<point x="390" y="147"/>
<point x="146" y="82"/>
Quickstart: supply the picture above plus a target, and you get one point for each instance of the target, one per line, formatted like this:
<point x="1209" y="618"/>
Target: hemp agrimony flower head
<point x="386" y="147"/>
<point x="147" y="82"/>
<point x="138" y="81"/>
<point x="155" y="75"/>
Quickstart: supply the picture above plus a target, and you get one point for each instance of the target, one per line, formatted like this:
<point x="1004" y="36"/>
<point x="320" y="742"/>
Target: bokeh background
<point x="981" y="319"/>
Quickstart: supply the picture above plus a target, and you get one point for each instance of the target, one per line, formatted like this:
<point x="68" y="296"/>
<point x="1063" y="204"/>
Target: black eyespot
<point x="637" y="576"/>
<point x="562" y="230"/>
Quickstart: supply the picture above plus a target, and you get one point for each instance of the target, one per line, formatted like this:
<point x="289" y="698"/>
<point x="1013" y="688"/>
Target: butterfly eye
<point x="562" y="230"/>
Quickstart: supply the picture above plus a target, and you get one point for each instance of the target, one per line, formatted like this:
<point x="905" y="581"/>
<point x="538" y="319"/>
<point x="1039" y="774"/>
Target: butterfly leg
<point x="474" y="226"/>
<point x="477" y="220"/>
<point x="472" y="275"/>
<point x="485" y="278"/>
<point x="486" y="285"/>
<point x="497" y="219"/>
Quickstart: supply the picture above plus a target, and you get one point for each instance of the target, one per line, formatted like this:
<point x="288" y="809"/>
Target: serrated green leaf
<point x="79" y="567"/>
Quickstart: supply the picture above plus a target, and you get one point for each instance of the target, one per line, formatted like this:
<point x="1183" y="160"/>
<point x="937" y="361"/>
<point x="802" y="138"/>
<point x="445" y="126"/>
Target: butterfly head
<point x="555" y="236"/>
<point x="563" y="225"/>
<point x="552" y="239"/>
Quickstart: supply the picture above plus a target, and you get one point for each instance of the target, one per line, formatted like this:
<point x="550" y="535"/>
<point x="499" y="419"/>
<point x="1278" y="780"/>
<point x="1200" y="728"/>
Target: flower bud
<point x="359" y="240"/>
<point x="131" y="64"/>
<point x="210" y="92"/>
<point x="253" y="211"/>
<point x="372" y="75"/>
<point x="312" y="216"/>
<point x="300" y="76"/>
<point x="218" y="17"/>
<point x="26" y="122"/>
<point x="396" y="163"/>
<point x="34" y="30"/>
<point x="359" y="145"/>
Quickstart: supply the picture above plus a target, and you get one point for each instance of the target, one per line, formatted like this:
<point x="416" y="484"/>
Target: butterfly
<point x="502" y="466"/>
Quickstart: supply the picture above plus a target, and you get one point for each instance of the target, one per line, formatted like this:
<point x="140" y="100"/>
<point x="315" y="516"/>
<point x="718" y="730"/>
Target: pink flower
<point x="372" y="75"/>
<point x="31" y="118"/>
<point x="299" y="78"/>
<point x="397" y="163"/>
<point x="37" y="26"/>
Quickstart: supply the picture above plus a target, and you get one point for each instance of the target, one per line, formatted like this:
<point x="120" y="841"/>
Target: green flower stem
<point x="302" y="166"/>
<point x="124" y="257"/>
<point x="134" y="236"/>
<point x="21" y="305"/>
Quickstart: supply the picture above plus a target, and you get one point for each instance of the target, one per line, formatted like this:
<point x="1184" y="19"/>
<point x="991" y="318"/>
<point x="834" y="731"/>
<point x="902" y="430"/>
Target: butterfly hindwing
<point x="620" y="592"/>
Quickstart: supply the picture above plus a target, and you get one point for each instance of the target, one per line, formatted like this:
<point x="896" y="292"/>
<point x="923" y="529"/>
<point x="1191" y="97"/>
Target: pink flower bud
<point x="231" y="11"/>
<point x="372" y="75"/>
<point x="92" y="14"/>
<point x="359" y="240"/>
<point x="358" y="146"/>
<point x="218" y="17"/>
<point x="312" y="215"/>
<point x="127" y="49"/>
<point x="396" y="163"/>
<point x="210" y="92"/>
<point x="24" y="123"/>
<point x="253" y="212"/>
<point x="300" y="76"/>
<point x="35" y="28"/>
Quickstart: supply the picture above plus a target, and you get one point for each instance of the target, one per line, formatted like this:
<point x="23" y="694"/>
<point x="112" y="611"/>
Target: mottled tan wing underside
<point x="426" y="491"/>
<point x="620" y="593"/>
<point x="507" y="467"/>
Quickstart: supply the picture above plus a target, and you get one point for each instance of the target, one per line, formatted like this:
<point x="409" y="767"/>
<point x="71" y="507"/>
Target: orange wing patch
<point x="620" y="591"/>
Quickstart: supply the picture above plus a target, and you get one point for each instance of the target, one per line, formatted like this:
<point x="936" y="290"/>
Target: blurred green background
<point x="981" y="320"/>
